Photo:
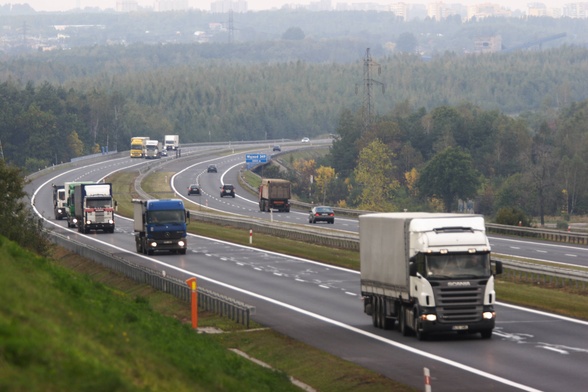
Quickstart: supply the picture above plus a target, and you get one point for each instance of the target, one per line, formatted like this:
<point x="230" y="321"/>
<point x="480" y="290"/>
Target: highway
<point x="320" y="304"/>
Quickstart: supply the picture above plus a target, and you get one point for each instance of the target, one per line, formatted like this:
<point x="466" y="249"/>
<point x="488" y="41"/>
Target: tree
<point x="374" y="172"/>
<point x="449" y="175"/>
<point x="344" y="152"/>
<point x="17" y="221"/>
<point x="293" y="34"/>
<point x="324" y="176"/>
<point x="406" y="43"/>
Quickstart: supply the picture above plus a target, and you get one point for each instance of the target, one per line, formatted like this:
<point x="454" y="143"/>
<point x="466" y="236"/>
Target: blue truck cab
<point x="160" y="225"/>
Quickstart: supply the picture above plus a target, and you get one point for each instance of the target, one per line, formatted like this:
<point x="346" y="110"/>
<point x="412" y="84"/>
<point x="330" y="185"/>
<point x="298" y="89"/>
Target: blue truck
<point x="160" y="225"/>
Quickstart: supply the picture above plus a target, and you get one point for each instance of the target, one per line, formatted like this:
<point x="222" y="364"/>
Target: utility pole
<point x="231" y="27"/>
<point x="368" y="84"/>
<point x="1" y="151"/>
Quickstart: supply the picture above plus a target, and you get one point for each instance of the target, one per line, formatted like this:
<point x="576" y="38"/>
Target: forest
<point x="509" y="128"/>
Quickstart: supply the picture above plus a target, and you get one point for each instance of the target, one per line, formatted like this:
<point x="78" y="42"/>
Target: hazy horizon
<point x="255" y="5"/>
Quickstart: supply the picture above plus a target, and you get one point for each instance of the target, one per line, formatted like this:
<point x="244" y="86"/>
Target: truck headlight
<point x="88" y="222"/>
<point x="488" y="315"/>
<point x="181" y="243"/>
<point x="154" y="244"/>
<point x="75" y="220"/>
<point x="429" y="317"/>
<point x="110" y="222"/>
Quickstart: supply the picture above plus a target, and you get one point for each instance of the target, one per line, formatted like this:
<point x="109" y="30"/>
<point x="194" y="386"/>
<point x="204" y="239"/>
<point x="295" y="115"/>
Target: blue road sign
<point x="256" y="158"/>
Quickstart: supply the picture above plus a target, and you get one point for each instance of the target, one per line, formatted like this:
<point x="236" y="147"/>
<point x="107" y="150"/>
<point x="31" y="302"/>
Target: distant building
<point x="127" y="5"/>
<point x="400" y="10"/>
<point x="171" y="5"/>
<point x="488" y="44"/>
<point x="485" y="10"/>
<point x="576" y="10"/>
<point x="224" y="6"/>
<point x="536" y="9"/>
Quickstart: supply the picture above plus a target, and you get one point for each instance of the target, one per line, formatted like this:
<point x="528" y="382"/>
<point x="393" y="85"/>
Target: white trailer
<point x="427" y="272"/>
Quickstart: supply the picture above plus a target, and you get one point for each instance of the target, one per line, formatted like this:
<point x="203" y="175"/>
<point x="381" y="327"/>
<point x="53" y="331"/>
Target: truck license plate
<point x="460" y="327"/>
<point x="167" y="242"/>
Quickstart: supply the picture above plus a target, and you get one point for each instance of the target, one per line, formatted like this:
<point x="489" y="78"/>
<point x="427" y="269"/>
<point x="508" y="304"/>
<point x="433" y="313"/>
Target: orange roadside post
<point x="194" y="300"/>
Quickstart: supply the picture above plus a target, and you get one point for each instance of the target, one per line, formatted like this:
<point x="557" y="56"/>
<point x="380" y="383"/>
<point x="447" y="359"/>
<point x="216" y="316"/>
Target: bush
<point x="513" y="217"/>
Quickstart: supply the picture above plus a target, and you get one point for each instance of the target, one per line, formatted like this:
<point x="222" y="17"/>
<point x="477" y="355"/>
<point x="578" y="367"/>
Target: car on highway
<point x="211" y="169"/>
<point x="321" y="214"/>
<point x="163" y="153"/>
<point x="193" y="190"/>
<point x="305" y="140"/>
<point x="277" y="148"/>
<point x="227" y="190"/>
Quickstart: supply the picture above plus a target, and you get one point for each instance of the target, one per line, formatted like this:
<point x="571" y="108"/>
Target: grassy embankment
<point x="65" y="331"/>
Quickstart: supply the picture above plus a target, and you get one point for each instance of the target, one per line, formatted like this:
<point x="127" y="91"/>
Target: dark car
<point x="163" y="153"/>
<point x="211" y="169"/>
<point x="321" y="214"/>
<point x="193" y="190"/>
<point x="227" y="190"/>
<point x="277" y="148"/>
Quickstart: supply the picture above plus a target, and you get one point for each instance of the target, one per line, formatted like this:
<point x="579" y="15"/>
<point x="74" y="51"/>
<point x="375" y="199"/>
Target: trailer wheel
<point x="375" y="311"/>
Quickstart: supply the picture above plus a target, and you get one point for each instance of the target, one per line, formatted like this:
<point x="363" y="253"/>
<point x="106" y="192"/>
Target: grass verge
<point x="62" y="330"/>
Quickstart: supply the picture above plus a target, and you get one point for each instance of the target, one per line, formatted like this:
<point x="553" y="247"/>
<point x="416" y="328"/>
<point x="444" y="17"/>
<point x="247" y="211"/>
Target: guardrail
<point x="517" y="270"/>
<point x="159" y="280"/>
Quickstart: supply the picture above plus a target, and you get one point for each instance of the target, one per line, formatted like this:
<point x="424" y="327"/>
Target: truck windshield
<point x="99" y="202"/>
<point x="174" y="216"/>
<point x="458" y="265"/>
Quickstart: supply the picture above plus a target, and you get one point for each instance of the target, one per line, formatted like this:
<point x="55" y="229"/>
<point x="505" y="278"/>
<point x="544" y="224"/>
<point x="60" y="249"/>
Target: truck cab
<point x="59" y="202"/>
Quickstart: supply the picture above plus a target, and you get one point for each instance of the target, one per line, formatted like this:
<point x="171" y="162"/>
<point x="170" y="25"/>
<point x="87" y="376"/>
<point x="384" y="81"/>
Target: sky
<point x="254" y="5"/>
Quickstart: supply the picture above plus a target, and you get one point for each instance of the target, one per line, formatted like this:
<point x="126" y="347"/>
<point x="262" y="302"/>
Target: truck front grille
<point x="167" y="235"/>
<point x="459" y="304"/>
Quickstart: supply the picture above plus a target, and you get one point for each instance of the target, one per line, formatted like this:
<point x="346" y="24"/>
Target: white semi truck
<point x="171" y="142"/>
<point x="93" y="207"/>
<point x="152" y="149"/>
<point x="427" y="273"/>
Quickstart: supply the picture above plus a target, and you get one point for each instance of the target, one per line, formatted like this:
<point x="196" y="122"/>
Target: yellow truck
<point x="138" y="146"/>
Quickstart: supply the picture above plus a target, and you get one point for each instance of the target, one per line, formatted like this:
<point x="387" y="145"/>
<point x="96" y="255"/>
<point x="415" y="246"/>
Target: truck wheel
<point x="420" y="335"/>
<point x="138" y="246"/>
<point x="182" y="251"/>
<point x="486" y="334"/>
<point x="402" y="322"/>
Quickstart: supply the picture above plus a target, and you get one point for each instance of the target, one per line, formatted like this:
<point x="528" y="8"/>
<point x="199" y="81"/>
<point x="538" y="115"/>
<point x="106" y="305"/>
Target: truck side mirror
<point x="188" y="215"/>
<point x="412" y="268"/>
<point x="498" y="267"/>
